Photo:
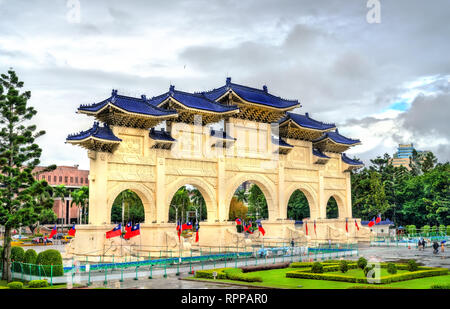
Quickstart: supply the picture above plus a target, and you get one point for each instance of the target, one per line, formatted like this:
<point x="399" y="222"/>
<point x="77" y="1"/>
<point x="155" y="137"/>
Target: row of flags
<point x="130" y="231"/>
<point x="71" y="232"/>
<point x="248" y="225"/>
<point x="371" y="223"/>
<point x="187" y="226"/>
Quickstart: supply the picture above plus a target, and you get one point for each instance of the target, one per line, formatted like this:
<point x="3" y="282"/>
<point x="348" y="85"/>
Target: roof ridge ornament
<point x="144" y="97"/>
<point x="265" y="88"/>
<point x="114" y="92"/>
<point x="172" y="89"/>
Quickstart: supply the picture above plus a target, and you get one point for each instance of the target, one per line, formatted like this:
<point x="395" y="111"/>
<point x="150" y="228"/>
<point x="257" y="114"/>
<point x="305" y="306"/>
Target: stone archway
<point x="310" y="195"/>
<point x="205" y="189"/>
<point x="340" y="200"/>
<point x="266" y="186"/>
<point x="144" y="193"/>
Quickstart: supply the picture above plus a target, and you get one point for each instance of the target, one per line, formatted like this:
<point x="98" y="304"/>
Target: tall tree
<point x="257" y="204"/>
<point x="298" y="207"/>
<point x="61" y="192"/>
<point x="81" y="197"/>
<point x="22" y="197"/>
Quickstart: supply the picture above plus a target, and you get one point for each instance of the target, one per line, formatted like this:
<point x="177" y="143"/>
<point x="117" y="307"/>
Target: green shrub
<point x="441" y="286"/>
<point x="367" y="269"/>
<point x="441" y="229"/>
<point x="412" y="265"/>
<point x="411" y="229"/>
<point x="15" y="285"/>
<point x="301" y="264"/>
<point x="362" y="263"/>
<point x="448" y="230"/>
<point x="391" y="268"/>
<point x="208" y="274"/>
<point x="247" y="269"/>
<point x="426" y="229"/>
<point x="343" y="266"/>
<point x="38" y="284"/>
<point x="48" y="258"/>
<point x="30" y="256"/>
<point x="17" y="255"/>
<point x="238" y="275"/>
<point x="317" y="268"/>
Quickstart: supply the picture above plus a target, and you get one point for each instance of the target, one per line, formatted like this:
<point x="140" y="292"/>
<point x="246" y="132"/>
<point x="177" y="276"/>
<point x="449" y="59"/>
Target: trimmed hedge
<point x="412" y="265"/>
<point x="421" y="273"/>
<point x="343" y="266"/>
<point x="227" y="273"/>
<point x="238" y="275"/>
<point x="440" y="286"/>
<point x="30" y="256"/>
<point x="300" y="264"/>
<point x="38" y="284"/>
<point x="391" y="268"/>
<point x="317" y="268"/>
<point x="247" y="269"/>
<point x="208" y="274"/>
<point x="48" y="258"/>
<point x="15" y="285"/>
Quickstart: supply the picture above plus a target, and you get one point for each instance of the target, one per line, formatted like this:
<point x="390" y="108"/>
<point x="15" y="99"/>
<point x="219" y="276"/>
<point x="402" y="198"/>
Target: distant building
<point x="381" y="229"/>
<point x="73" y="178"/>
<point x="403" y="155"/>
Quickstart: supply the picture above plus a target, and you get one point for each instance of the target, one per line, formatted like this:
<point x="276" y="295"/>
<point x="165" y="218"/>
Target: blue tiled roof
<point x="161" y="135"/>
<point x="97" y="131"/>
<point x="338" y="138"/>
<point x="221" y="134"/>
<point x="258" y="96"/>
<point x="307" y="122"/>
<point x="196" y="101"/>
<point x="350" y="161"/>
<point x="320" y="154"/>
<point x="129" y="104"/>
<point x="280" y="142"/>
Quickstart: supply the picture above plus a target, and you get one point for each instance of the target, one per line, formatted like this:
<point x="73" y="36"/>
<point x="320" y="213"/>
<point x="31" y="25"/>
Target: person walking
<point x="442" y="247"/>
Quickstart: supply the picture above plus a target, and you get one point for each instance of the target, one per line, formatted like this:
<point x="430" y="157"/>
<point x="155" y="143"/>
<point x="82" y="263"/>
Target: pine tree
<point x="22" y="198"/>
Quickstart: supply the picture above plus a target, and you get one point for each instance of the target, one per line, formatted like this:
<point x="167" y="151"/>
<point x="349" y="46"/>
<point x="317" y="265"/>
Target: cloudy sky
<point x="384" y="83"/>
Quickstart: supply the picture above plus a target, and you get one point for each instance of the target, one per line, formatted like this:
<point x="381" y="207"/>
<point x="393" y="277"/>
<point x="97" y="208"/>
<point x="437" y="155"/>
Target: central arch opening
<point x="127" y="207"/>
<point x="248" y="203"/>
<point x="188" y="205"/>
<point x="298" y="206"/>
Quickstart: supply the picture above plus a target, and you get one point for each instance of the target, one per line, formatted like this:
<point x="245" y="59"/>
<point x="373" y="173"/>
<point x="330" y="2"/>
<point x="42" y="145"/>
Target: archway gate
<point x="156" y="174"/>
<point x="260" y="142"/>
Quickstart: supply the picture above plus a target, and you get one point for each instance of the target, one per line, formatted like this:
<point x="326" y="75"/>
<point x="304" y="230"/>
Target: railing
<point x="197" y="259"/>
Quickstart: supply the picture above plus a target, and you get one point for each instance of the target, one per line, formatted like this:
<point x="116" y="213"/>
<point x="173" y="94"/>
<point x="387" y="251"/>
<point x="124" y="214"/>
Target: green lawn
<point x="277" y="278"/>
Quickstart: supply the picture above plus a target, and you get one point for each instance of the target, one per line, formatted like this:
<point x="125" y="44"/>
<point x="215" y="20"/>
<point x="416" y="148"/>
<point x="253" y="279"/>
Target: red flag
<point x="128" y="226"/>
<point x="356" y="223"/>
<point x="372" y="222"/>
<point x="238" y="221"/>
<point x="346" y="225"/>
<point x="245" y="227"/>
<point x="72" y="231"/>
<point x="53" y="232"/>
<point x="134" y="231"/>
<point x="187" y="226"/>
<point x="315" y="227"/>
<point x="117" y="231"/>
<point x="179" y="229"/>
<point x="261" y="229"/>
<point x="197" y="228"/>
<point x="306" y="225"/>
<point x="378" y="220"/>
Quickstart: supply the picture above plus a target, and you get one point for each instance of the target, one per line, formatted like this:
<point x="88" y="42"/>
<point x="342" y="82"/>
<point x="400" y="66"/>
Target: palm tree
<point x="241" y="196"/>
<point x="61" y="192"/>
<point x="81" y="197"/>
<point x="199" y="202"/>
<point x="180" y="199"/>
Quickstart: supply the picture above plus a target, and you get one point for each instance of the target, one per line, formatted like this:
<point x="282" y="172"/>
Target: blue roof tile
<point x="161" y="135"/>
<point x="190" y="100"/>
<point x="280" y="142"/>
<point x="221" y="134"/>
<point x="349" y="161"/>
<point x="338" y="138"/>
<point x="129" y="104"/>
<point x="307" y="122"/>
<point x="320" y="154"/>
<point x="254" y="95"/>
<point x="96" y="131"/>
